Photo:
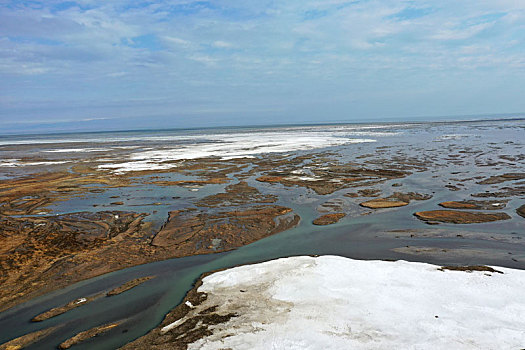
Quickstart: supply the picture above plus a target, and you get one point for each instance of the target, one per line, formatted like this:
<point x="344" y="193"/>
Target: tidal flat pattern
<point x="83" y="214"/>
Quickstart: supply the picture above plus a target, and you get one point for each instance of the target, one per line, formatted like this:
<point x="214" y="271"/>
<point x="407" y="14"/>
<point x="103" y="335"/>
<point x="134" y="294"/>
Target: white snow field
<point x="229" y="146"/>
<point x="332" y="302"/>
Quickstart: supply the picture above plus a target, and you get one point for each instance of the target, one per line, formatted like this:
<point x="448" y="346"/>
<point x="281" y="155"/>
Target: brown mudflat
<point x="398" y="199"/>
<point x="369" y="192"/>
<point x="328" y="219"/>
<point x="83" y="336"/>
<point x="40" y="254"/>
<point x="29" y="195"/>
<point x="502" y="193"/>
<point x="65" y="308"/>
<point x="27" y="339"/>
<point x="476" y="205"/>
<point x="333" y="178"/>
<point x="128" y="285"/>
<point x="460" y="217"/>
<point x="212" y="181"/>
<point x="521" y="211"/>
<point x="502" y="178"/>
<point x="470" y="268"/>
<point x="198" y="232"/>
<point x="410" y="196"/>
<point x="236" y="195"/>
<point x="44" y="253"/>
<point x="382" y="203"/>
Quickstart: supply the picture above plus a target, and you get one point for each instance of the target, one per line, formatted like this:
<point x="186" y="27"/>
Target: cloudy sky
<point x="179" y="63"/>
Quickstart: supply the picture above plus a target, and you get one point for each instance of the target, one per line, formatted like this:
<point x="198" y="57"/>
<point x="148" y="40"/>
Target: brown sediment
<point x="504" y="192"/>
<point x="461" y="253"/>
<point x="437" y="233"/>
<point x="129" y="285"/>
<point x="236" y="194"/>
<point x="470" y="268"/>
<point x="502" y="178"/>
<point x="236" y="212"/>
<point x="328" y="219"/>
<point x="382" y="203"/>
<point x="197" y="232"/>
<point x="476" y="205"/>
<point x="27" y="339"/>
<point x="83" y="336"/>
<point x="211" y="181"/>
<point x="398" y="199"/>
<point x="369" y="192"/>
<point x="521" y="211"/>
<point x="28" y="195"/>
<point x="351" y="195"/>
<point x="410" y="196"/>
<point x="45" y="253"/>
<point x="329" y="179"/>
<point x="460" y="217"/>
<point x="40" y="254"/>
<point x="48" y="253"/>
<point x="65" y="308"/>
<point x="333" y="205"/>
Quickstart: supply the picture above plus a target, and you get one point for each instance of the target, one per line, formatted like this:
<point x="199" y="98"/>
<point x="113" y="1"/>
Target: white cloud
<point x="461" y="33"/>
<point x="177" y="41"/>
<point x="117" y="74"/>
<point x="222" y="44"/>
<point x="207" y="60"/>
<point x="275" y="52"/>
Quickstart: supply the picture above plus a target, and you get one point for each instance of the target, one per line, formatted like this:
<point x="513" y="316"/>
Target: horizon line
<point x="412" y="120"/>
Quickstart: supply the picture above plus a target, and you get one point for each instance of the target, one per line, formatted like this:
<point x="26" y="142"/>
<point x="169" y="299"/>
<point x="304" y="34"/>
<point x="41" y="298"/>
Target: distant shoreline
<point x="479" y="119"/>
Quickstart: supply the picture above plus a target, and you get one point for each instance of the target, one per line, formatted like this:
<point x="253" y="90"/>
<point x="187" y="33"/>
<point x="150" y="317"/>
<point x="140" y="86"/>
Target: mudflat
<point x="86" y="214"/>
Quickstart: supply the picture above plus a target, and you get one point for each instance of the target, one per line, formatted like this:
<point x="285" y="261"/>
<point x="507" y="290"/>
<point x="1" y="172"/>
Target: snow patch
<point x="11" y="163"/>
<point x="76" y="150"/>
<point x="332" y="302"/>
<point x="231" y="146"/>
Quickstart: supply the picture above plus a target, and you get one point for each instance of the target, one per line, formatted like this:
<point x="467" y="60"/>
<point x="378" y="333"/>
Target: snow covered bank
<point x="230" y="146"/>
<point x="332" y="302"/>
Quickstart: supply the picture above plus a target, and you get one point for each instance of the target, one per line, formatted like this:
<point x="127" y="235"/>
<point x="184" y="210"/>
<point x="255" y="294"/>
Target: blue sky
<point x="182" y="63"/>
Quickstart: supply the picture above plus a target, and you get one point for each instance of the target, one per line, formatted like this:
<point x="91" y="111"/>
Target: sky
<point x="116" y="65"/>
